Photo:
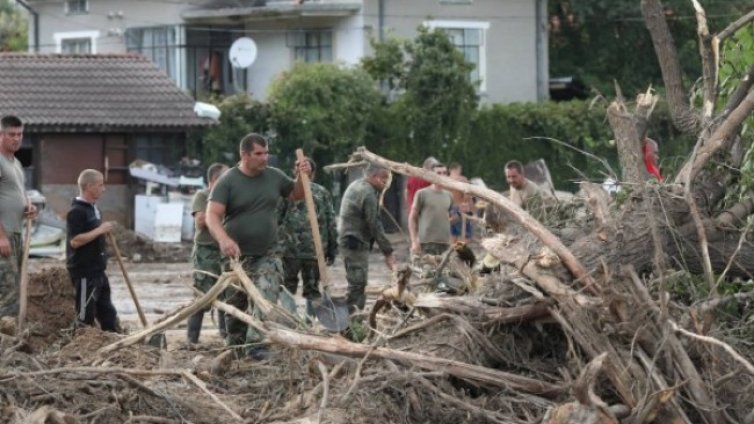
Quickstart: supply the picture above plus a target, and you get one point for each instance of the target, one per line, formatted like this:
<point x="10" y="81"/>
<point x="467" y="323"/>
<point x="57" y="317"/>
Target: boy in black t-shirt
<point x="85" y="253"/>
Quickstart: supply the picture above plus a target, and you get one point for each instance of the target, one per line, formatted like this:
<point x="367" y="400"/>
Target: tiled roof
<point x="86" y="91"/>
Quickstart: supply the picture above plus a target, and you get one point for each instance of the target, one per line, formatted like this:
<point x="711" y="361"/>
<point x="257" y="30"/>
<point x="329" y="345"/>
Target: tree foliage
<point x="436" y="98"/>
<point x="14" y="28"/>
<point x="590" y="39"/>
<point x="324" y="108"/>
<point x="240" y="115"/>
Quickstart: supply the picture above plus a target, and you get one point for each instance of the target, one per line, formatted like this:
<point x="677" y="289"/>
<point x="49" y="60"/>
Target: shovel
<point x="157" y="340"/>
<point x="24" y="284"/>
<point x="333" y="316"/>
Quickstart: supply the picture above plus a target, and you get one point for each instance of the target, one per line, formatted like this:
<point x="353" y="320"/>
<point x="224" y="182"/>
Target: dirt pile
<point x="139" y="248"/>
<point x="51" y="308"/>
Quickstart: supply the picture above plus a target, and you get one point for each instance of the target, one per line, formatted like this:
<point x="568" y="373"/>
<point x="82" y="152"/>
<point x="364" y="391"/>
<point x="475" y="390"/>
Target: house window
<point x="76" y="46"/>
<point x="76" y="7"/>
<point x="78" y="42"/>
<point x="311" y="46"/>
<point x="158" y="44"/>
<point x="469" y="38"/>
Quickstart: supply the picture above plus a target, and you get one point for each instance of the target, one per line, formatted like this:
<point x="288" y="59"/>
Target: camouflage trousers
<point x="208" y="259"/>
<point x="357" y="271"/>
<point x="267" y="275"/>
<point x="10" y="275"/>
<point x="309" y="274"/>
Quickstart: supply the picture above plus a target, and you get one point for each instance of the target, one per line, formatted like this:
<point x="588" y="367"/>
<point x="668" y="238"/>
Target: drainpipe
<point x="541" y="50"/>
<point x="381" y="19"/>
<point x="35" y="17"/>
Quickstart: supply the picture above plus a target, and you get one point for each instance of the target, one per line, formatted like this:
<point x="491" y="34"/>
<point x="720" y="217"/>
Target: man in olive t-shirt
<point x="206" y="253"/>
<point x="241" y="217"/>
<point x="429" y="221"/>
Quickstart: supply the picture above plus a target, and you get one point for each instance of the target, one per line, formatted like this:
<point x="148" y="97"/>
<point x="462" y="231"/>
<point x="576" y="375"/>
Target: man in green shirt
<point x="241" y="217"/>
<point x="206" y="255"/>
<point x="359" y="226"/>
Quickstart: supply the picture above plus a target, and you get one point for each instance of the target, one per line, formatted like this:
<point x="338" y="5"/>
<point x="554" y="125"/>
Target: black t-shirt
<point x="89" y="259"/>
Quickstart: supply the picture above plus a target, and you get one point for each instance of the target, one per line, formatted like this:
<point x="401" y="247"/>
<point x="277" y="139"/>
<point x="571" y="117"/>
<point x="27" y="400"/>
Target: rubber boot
<point x="194" y="327"/>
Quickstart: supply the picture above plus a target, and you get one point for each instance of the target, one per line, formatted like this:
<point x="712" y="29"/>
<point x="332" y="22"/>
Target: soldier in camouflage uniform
<point x="13" y="208"/>
<point x="241" y="217"/>
<point x="299" y="255"/>
<point x="360" y="225"/>
<point x="206" y="253"/>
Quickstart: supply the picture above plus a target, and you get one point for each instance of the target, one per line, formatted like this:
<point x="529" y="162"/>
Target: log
<point x="340" y="346"/>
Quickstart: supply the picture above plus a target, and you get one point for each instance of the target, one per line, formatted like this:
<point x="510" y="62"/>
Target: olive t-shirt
<point x="433" y="207"/>
<point x="199" y="204"/>
<point x="250" y="207"/>
<point x="12" y="194"/>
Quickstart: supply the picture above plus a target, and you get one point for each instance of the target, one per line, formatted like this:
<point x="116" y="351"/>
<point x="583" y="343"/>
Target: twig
<point x="602" y="161"/>
<point x="740" y="359"/>
<point x="483" y="413"/>
<point x="735" y="26"/>
<point x="325" y="390"/>
<point x="203" y="387"/>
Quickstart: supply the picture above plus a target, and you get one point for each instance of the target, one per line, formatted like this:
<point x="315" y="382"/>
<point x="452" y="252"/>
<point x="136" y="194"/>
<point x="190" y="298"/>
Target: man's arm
<point x="372" y="217"/>
<point x="200" y="218"/>
<point x="214" y="220"/>
<point x="83" y="239"/>
<point x="4" y="242"/>
<point x="303" y="166"/>
<point x="413" y="224"/>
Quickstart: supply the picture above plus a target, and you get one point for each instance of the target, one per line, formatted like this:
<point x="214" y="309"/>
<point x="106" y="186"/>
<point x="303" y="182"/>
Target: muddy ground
<point x="165" y="286"/>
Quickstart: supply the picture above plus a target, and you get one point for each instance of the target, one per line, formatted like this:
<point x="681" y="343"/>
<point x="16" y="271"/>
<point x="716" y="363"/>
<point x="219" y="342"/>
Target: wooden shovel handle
<point x="24" y="283"/>
<point x="114" y="244"/>
<point x="311" y="213"/>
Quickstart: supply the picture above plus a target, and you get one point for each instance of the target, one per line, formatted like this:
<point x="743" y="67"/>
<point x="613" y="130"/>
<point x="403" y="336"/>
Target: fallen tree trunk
<point x="340" y="346"/>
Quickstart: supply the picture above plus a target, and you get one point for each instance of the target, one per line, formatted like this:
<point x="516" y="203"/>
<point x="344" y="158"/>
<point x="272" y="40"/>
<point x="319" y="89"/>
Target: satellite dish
<point x="243" y="52"/>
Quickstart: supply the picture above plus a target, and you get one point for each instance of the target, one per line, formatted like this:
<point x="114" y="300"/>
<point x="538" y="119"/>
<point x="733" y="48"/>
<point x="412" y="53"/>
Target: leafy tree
<point x="240" y="115"/>
<point x="436" y="98"/>
<point x="590" y="38"/>
<point x="322" y="108"/>
<point x="14" y="28"/>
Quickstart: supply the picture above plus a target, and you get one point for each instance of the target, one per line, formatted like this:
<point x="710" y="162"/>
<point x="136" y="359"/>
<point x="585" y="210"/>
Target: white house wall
<point x="109" y="18"/>
<point x="510" y="41"/>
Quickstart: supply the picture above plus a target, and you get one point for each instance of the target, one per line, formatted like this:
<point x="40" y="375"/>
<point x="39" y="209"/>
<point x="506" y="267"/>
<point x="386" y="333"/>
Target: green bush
<point x="322" y="108"/>
<point x="240" y="115"/>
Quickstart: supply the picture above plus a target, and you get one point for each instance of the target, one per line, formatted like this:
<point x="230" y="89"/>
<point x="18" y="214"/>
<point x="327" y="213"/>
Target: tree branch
<point x="717" y="140"/>
<point x="684" y="117"/>
<point x="735" y="26"/>
<point x="708" y="51"/>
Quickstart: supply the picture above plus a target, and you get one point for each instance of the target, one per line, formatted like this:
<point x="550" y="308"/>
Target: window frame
<point x="82" y="40"/>
<point x="468" y="25"/>
<point x="60" y="36"/>
<point x="78" y="11"/>
<point x="305" y="47"/>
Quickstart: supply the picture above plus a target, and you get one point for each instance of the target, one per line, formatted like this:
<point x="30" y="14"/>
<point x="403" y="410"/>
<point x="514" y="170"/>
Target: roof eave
<point x="235" y="14"/>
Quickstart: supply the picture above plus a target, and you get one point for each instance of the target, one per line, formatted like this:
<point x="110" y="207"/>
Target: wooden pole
<point x="24" y="283"/>
<point x="114" y="244"/>
<point x="311" y="212"/>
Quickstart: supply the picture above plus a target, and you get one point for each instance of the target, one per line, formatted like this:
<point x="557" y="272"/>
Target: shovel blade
<point x="332" y="315"/>
<point x="158" y="340"/>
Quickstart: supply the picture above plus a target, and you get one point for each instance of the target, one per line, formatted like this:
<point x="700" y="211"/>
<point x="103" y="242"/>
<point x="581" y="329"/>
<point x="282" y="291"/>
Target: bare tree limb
<point x="717" y="139"/>
<point x="683" y="115"/>
<point x="740" y="94"/>
<point x="708" y="51"/>
<point x="711" y="340"/>
<point x="735" y="26"/>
